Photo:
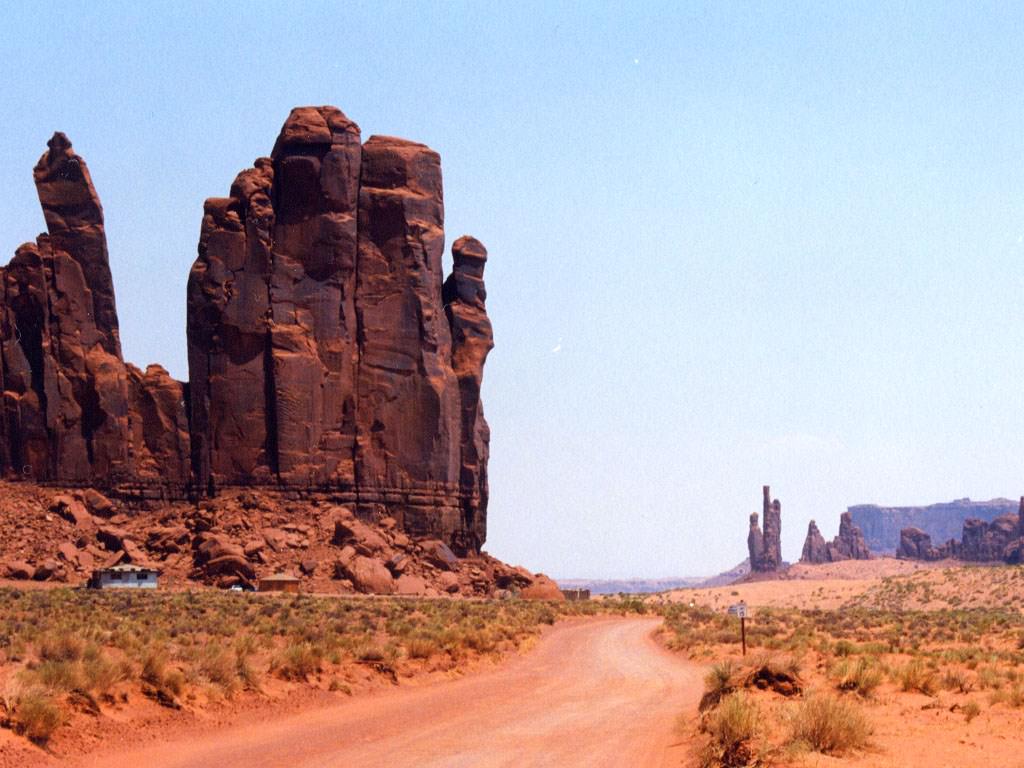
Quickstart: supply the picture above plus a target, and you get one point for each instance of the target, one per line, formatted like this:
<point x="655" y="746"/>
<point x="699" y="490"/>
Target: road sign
<point x="739" y="610"/>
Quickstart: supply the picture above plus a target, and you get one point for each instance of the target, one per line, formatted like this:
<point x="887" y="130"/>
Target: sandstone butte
<point x="328" y="356"/>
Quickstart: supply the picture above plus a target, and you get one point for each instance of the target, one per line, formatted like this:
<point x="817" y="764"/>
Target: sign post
<point x="739" y="610"/>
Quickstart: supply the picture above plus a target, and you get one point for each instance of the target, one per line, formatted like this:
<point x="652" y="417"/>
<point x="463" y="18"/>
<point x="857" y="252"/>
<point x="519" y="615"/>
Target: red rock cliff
<point x="321" y="352"/>
<point x="327" y="354"/>
<point x="68" y="399"/>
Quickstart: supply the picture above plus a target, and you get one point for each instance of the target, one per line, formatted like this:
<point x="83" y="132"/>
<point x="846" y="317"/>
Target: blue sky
<point x="771" y="243"/>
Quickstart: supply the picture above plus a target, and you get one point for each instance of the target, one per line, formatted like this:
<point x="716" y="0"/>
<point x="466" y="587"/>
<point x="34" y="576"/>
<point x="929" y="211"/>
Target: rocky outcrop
<point x="988" y="542"/>
<point x="848" y="545"/>
<point x="271" y="314"/>
<point x="765" y="547"/>
<point x="158" y="428"/>
<point x="981" y="541"/>
<point x="815" y="549"/>
<point x="328" y="357"/>
<point x="70" y="405"/>
<point x="325" y="353"/>
<point x="464" y="298"/>
<point x="882" y="525"/>
<point x="915" y="544"/>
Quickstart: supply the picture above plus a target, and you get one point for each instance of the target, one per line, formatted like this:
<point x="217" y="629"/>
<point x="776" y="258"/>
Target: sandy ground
<point x="598" y="694"/>
<point x="826" y="586"/>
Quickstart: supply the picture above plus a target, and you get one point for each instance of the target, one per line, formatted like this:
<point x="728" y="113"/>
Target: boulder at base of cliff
<point x="542" y="588"/>
<point x="369" y="576"/>
<point x="17" y="569"/>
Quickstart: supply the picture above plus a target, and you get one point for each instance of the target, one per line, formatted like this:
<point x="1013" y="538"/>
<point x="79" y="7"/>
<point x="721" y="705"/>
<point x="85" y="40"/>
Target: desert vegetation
<point x="843" y="682"/>
<point x="66" y="654"/>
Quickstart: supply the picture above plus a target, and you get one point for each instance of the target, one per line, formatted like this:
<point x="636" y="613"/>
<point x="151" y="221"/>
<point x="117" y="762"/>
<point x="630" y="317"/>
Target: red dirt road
<point x="596" y="694"/>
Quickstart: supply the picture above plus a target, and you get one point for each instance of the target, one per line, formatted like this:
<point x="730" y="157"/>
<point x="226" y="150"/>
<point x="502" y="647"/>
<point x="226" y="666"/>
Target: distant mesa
<point x="330" y="359"/>
<point x="882" y="526"/>
<point x="981" y="541"/>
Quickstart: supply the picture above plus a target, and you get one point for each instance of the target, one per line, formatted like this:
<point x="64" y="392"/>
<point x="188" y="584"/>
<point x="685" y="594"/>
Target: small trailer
<point x="124" y="577"/>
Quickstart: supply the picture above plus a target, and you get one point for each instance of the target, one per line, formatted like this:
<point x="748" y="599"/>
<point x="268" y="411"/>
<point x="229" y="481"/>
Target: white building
<point x="124" y="577"/>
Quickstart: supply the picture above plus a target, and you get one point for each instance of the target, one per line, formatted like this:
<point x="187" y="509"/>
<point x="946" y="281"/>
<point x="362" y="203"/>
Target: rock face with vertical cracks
<point x="464" y="299"/>
<point x="68" y="413"/>
<point x="766" y="548"/>
<point x="328" y="356"/>
<point x="325" y="352"/>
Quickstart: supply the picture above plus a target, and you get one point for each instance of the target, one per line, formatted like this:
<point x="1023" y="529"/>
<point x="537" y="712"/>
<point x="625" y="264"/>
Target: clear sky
<point x="731" y="243"/>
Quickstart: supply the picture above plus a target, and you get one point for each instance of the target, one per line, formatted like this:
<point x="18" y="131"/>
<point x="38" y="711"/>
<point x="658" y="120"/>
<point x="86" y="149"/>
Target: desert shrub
<point x="718" y="682"/>
<point x="957" y="680"/>
<point x="480" y="640"/>
<point x="421" y="648"/>
<point x="862" y="676"/>
<point x="843" y="648"/>
<point x="732" y="728"/>
<point x="370" y="652"/>
<point x="62" y="646"/>
<point x="37" y="715"/>
<point x="971" y="710"/>
<point x="829" y="725"/>
<point x="297" y="662"/>
<point x="59" y="675"/>
<point x="1015" y="696"/>
<point x="154" y="664"/>
<point x="990" y="678"/>
<point x="246" y="672"/>
<point x="337" y="686"/>
<point x="219" y="667"/>
<point x="915" y="676"/>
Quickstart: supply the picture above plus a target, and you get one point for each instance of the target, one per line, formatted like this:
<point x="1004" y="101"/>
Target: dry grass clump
<point x="733" y="727"/>
<point x="37" y="715"/>
<point x="971" y="710"/>
<point x="829" y="725"/>
<point x="718" y="683"/>
<point x="297" y="661"/>
<point x="916" y="676"/>
<point x="861" y="676"/>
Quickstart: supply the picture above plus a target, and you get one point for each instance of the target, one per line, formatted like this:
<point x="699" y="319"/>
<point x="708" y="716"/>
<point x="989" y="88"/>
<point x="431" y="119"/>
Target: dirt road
<point x="595" y="694"/>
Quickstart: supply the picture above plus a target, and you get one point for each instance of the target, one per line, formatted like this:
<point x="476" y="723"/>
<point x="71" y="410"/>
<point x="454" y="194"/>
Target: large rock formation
<point x="328" y="357"/>
<point x="815" y="548"/>
<point x="69" y="403"/>
<point x="1001" y="540"/>
<point x="882" y="525"/>
<point x="915" y="544"/>
<point x="987" y="542"/>
<point x="848" y="545"/>
<point x="766" y="548"/>
<point x="325" y="352"/>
